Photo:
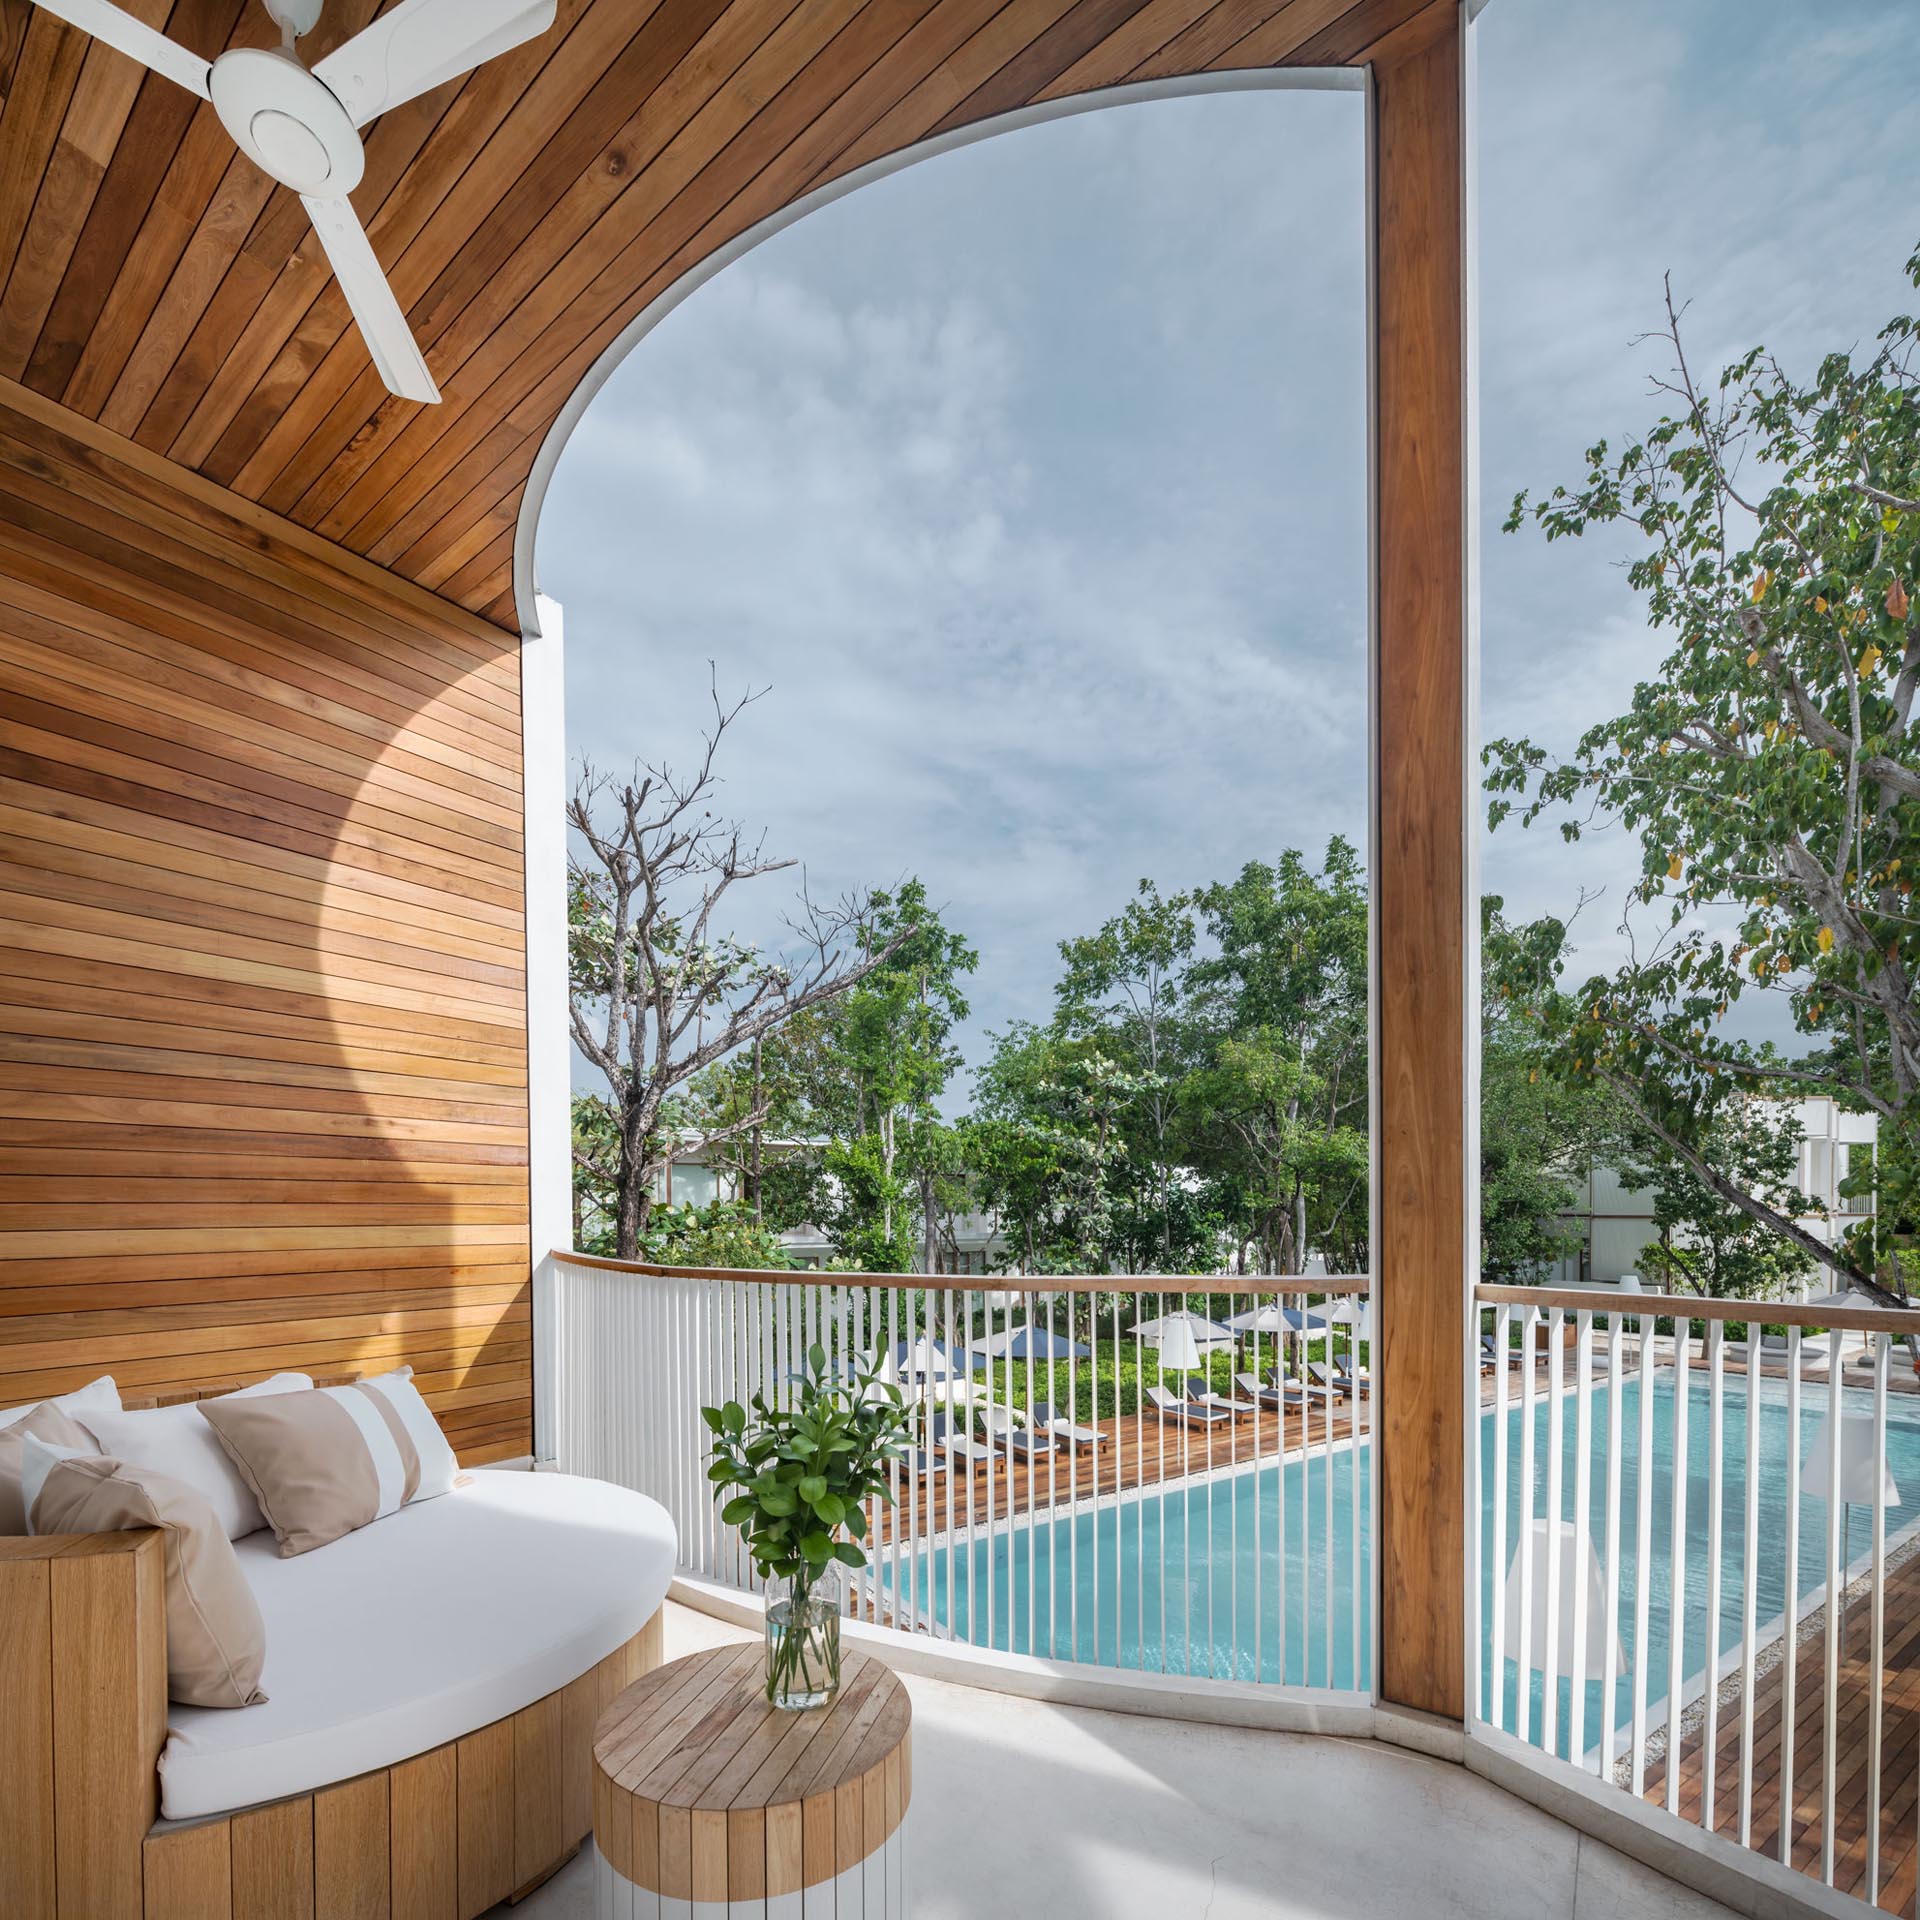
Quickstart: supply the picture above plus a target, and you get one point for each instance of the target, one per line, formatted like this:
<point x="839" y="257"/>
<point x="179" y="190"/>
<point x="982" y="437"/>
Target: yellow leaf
<point x="1826" y="939"/>
<point x="1819" y="603"/>
<point x="1753" y="659"/>
<point x="1760" y="586"/>
<point x="1869" y="660"/>
<point x="1676" y="867"/>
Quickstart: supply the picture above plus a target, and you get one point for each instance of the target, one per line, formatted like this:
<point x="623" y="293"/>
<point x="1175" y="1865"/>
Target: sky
<point x="1029" y="482"/>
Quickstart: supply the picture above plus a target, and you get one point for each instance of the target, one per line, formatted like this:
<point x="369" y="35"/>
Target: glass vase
<point x="803" y="1640"/>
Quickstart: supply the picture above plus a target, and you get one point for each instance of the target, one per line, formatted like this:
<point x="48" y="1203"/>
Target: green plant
<point x="802" y="1473"/>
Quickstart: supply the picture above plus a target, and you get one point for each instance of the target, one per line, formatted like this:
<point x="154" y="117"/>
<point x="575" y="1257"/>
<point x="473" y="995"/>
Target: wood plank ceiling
<point x="156" y="283"/>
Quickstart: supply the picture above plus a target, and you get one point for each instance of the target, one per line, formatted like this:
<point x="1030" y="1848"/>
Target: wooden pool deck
<point x="1800" y="1801"/>
<point x="1136" y="1450"/>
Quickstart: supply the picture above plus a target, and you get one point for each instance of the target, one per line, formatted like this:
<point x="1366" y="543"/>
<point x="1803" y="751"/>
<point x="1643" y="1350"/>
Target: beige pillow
<point x="177" y="1442"/>
<point x="216" y="1641"/>
<point x="45" y="1422"/>
<point x="324" y="1463"/>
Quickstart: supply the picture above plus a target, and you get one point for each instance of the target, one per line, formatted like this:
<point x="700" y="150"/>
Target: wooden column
<point x="1421" y="858"/>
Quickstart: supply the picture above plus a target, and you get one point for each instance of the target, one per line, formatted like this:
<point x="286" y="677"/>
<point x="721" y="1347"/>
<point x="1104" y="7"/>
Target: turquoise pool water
<point x="1777" y="1483"/>
<point x="1193" y="1581"/>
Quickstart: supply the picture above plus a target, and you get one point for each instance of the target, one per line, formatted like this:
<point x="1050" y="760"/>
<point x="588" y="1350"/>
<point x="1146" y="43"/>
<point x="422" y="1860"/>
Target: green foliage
<point x="723" y="1233"/>
<point x="1769" y="771"/>
<point x="1539" y="1134"/>
<point x="801" y="1473"/>
<point x="1276" y="1107"/>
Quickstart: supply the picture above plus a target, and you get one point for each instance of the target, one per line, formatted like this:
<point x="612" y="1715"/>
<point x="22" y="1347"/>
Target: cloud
<point x="1031" y="480"/>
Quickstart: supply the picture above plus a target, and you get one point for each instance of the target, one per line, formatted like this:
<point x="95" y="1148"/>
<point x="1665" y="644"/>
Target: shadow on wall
<point x="262" y="993"/>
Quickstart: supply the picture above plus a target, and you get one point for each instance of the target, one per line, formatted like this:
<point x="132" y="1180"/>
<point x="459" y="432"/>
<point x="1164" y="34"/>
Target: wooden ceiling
<point x="157" y="284"/>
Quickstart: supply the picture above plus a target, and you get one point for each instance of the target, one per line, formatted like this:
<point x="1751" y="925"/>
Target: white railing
<point x="1067" y="1497"/>
<point x="1694" y="1578"/>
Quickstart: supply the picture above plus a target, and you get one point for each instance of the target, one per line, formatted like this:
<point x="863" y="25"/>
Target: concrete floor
<point x="1065" y="1813"/>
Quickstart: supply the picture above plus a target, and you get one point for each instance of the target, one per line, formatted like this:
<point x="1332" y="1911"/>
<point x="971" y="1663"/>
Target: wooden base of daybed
<point x="442" y="1836"/>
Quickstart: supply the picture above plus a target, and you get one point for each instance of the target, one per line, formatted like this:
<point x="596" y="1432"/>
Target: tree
<point x="1125" y="982"/>
<point x="1048" y="1148"/>
<point x="658" y="991"/>
<point x="1770" y="771"/>
<point x="1277" y="1106"/>
<point x="874" y="1066"/>
<point x="1539" y="1133"/>
<point x="1708" y="1245"/>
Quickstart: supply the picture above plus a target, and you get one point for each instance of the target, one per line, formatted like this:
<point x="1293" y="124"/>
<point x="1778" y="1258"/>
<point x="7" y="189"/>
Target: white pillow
<point x="100" y="1393"/>
<point x="437" y="1464"/>
<point x="38" y="1458"/>
<point x="177" y="1442"/>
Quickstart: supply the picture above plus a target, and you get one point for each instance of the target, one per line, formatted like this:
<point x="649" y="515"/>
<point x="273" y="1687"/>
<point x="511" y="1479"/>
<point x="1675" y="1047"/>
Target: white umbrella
<point x="1180" y="1338"/>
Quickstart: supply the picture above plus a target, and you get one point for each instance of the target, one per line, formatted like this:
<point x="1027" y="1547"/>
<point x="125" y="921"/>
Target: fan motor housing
<point x="287" y="122"/>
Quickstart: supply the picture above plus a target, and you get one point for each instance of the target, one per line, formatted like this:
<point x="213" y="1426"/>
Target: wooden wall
<point x="262" y="1000"/>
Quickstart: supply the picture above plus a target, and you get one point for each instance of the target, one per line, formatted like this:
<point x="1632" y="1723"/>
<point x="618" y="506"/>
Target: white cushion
<point x="177" y="1442"/>
<point x="101" y="1393"/>
<point x="445" y="1617"/>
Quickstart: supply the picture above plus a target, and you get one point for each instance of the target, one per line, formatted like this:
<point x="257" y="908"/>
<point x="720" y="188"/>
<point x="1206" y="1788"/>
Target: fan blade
<point x="396" y="354"/>
<point x="135" y="39"/>
<point x="423" y="42"/>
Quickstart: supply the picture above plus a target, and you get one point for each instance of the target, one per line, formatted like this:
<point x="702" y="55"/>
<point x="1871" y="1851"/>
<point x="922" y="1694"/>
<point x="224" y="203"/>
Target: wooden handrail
<point x="1277" y="1283"/>
<point x="1686" y="1306"/>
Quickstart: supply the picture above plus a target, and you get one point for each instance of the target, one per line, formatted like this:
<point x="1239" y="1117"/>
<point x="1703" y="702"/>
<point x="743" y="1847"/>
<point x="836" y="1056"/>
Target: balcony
<point x="1099" y="1513"/>
<point x="283" y="1001"/>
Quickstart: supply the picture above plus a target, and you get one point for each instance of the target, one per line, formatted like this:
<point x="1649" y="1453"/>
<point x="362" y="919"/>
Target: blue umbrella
<point x="1027" y="1343"/>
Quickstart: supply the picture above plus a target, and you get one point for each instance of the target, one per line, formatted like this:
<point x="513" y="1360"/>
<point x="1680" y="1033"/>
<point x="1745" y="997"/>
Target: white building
<point x="1617" y="1219"/>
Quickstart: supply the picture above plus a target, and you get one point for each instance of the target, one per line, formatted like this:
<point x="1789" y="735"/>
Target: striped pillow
<point x="324" y="1463"/>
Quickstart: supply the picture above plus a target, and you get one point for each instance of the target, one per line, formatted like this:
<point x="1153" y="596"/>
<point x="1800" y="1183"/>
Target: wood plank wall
<point x="262" y="991"/>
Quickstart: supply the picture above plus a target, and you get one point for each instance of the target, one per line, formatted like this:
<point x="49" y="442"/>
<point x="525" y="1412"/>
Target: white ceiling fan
<point x="302" y="126"/>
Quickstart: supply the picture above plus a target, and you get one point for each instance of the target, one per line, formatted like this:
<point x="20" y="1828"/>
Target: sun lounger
<point x="1324" y="1377"/>
<point x="927" y="1461"/>
<point x="1189" y="1413"/>
<point x="1005" y="1432"/>
<point x="959" y="1444"/>
<point x="1064" y="1429"/>
<point x="1274" y="1396"/>
<point x="1199" y="1395"/>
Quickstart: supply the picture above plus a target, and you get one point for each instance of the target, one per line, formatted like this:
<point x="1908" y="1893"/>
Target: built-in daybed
<point x="424" y="1749"/>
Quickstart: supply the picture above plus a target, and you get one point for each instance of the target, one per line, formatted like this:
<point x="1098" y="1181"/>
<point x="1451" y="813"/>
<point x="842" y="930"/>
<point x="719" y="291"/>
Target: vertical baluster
<point x="1233" y="1529"/>
<point x="1523" y="1654"/>
<point x="1073" y="1467"/>
<point x="1160" y="1481"/>
<point x="1119" y="1510"/>
<point x="1610" y="1656"/>
<point x="1556" y="1447"/>
<point x="1139" y="1511"/>
<point x="1643" y="1551"/>
<point x="1716" y="1470"/>
<point x="1677" y="1550"/>
<point x="1750" y="1585"/>
<point x="1502" y="1338"/>
<point x="1877" y="1669"/>
<point x="997" y="1455"/>
<point x="1360" y="1411"/>
<point x="956" y="1465"/>
<point x="1306" y="1491"/>
<point x="1279" y="1301"/>
<point x="1582" y="1535"/>
<point x="1836" y="1589"/>
<point x="1259" y="1423"/>
<point x="1790" y="1661"/>
<point x="1326" y="1454"/>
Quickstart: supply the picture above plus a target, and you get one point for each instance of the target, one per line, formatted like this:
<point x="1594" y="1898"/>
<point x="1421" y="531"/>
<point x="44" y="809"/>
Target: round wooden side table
<point x="708" y="1804"/>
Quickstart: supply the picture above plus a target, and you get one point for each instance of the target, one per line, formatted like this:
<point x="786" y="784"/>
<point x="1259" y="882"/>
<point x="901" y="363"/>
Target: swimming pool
<point x="1192" y="1580"/>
